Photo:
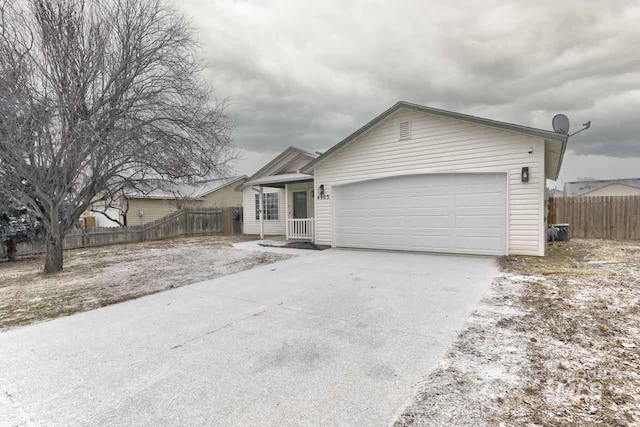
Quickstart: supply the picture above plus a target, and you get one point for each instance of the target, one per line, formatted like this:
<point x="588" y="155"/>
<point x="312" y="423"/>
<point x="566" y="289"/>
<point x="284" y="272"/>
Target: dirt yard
<point x="97" y="277"/>
<point x="556" y="342"/>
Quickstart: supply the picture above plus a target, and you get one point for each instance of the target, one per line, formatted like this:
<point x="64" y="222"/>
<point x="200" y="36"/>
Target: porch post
<point x="261" y="210"/>
<point x="286" y="210"/>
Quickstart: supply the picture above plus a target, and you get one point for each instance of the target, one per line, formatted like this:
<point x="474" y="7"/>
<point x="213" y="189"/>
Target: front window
<point x="270" y="202"/>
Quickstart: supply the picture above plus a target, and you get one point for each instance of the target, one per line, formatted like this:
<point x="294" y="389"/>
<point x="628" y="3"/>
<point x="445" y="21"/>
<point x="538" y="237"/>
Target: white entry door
<point x="452" y="213"/>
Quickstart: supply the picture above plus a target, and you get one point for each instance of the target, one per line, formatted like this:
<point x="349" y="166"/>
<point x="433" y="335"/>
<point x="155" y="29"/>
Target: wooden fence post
<point x="186" y="222"/>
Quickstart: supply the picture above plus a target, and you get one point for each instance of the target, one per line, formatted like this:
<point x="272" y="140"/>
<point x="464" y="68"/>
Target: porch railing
<point x="300" y="228"/>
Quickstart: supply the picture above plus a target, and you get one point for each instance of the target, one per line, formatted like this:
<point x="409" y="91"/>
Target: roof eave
<point x="275" y="180"/>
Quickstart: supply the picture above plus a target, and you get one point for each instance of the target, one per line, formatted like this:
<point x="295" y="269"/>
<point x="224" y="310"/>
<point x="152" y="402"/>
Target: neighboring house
<point x="554" y="192"/>
<point x="103" y="216"/>
<point x="609" y="187"/>
<point x="416" y="178"/>
<point x="141" y="207"/>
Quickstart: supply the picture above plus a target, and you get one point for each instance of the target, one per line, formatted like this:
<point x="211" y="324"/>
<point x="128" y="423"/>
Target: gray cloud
<point x="310" y="73"/>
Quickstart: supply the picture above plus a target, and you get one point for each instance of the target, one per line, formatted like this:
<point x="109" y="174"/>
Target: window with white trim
<point x="270" y="202"/>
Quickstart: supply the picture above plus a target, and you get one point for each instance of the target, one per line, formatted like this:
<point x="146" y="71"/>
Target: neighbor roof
<point x="172" y="190"/>
<point x="578" y="188"/>
<point x="546" y="134"/>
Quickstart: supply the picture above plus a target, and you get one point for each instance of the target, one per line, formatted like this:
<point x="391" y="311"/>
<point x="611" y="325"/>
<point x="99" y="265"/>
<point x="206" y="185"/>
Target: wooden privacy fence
<point x="185" y="222"/>
<point x="602" y="217"/>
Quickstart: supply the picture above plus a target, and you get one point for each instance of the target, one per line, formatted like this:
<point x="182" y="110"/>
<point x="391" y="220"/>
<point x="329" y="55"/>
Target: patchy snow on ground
<point x="95" y="277"/>
<point x="555" y="342"/>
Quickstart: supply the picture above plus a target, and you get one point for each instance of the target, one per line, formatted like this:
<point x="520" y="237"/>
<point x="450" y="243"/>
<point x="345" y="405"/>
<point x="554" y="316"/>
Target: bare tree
<point x="99" y="96"/>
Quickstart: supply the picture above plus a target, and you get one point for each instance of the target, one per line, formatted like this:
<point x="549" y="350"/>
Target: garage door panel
<point x="431" y="232"/>
<point x="383" y="222"/>
<point x="355" y="222"/>
<point x="459" y="213"/>
<point x="431" y="243"/>
<point x="353" y="229"/>
<point x="397" y="209"/>
<point x="480" y="199"/>
<point x="397" y="241"/>
<point x="379" y="232"/>
<point x="428" y="200"/>
<point x="432" y="211"/>
<point x="493" y="222"/>
<point x="355" y="204"/>
<point x="424" y="189"/>
<point x="480" y="210"/>
<point x="429" y="221"/>
<point x="477" y="233"/>
<point x="382" y="193"/>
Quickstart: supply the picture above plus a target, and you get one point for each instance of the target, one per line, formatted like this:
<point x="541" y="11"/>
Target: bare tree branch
<point x="97" y="97"/>
<point x="106" y="215"/>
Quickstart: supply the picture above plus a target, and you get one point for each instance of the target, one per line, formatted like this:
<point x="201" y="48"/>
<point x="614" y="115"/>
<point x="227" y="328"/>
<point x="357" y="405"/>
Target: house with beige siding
<point x="158" y="201"/>
<point x="417" y="178"/>
<point x="606" y="187"/>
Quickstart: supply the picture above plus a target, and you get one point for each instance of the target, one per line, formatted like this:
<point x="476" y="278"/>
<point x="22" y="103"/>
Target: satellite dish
<point x="560" y="124"/>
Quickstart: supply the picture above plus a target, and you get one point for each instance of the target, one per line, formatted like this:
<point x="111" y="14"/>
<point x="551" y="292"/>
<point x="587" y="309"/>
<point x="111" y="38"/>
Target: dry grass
<point x="97" y="277"/>
<point x="556" y="342"/>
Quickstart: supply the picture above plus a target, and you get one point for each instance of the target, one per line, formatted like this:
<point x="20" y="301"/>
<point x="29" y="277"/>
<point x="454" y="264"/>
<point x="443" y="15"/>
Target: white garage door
<point x="453" y="213"/>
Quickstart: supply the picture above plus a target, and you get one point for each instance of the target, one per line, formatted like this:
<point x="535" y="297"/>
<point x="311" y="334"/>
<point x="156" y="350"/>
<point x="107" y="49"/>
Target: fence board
<point x="602" y="217"/>
<point x="185" y="222"/>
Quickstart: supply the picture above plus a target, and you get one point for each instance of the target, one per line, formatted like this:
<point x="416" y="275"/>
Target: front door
<point x="299" y="204"/>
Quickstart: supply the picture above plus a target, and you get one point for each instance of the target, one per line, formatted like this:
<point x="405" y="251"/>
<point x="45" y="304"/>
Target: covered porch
<point x="299" y="204"/>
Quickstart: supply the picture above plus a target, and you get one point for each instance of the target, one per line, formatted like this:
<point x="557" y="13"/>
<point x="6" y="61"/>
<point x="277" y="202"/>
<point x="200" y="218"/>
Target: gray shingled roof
<point x="171" y="190"/>
<point x="577" y="188"/>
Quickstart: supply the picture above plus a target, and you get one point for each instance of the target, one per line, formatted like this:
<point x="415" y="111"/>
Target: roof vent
<point x="405" y="130"/>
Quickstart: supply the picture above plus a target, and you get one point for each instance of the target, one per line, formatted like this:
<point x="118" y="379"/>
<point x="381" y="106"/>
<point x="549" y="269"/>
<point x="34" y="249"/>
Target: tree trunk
<point x="53" y="260"/>
<point x="12" y="250"/>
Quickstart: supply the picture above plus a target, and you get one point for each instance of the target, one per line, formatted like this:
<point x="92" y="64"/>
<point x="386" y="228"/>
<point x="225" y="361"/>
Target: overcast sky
<point x="308" y="74"/>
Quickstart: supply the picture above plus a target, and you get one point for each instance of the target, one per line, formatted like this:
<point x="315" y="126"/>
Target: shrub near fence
<point x="185" y="222"/>
<point x="602" y="217"/>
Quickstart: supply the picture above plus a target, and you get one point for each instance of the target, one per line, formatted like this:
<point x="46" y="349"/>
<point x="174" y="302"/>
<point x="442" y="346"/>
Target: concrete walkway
<point x="333" y="338"/>
<point x="272" y="247"/>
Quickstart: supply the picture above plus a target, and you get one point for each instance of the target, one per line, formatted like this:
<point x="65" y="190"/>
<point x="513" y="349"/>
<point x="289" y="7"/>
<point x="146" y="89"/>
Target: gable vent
<point x="405" y="130"/>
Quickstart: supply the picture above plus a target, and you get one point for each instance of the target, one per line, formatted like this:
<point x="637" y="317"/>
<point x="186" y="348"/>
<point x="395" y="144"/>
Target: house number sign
<point x="321" y="194"/>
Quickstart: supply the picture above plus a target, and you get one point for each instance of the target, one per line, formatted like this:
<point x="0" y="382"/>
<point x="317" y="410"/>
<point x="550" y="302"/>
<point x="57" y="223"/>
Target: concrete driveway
<point x="335" y="338"/>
